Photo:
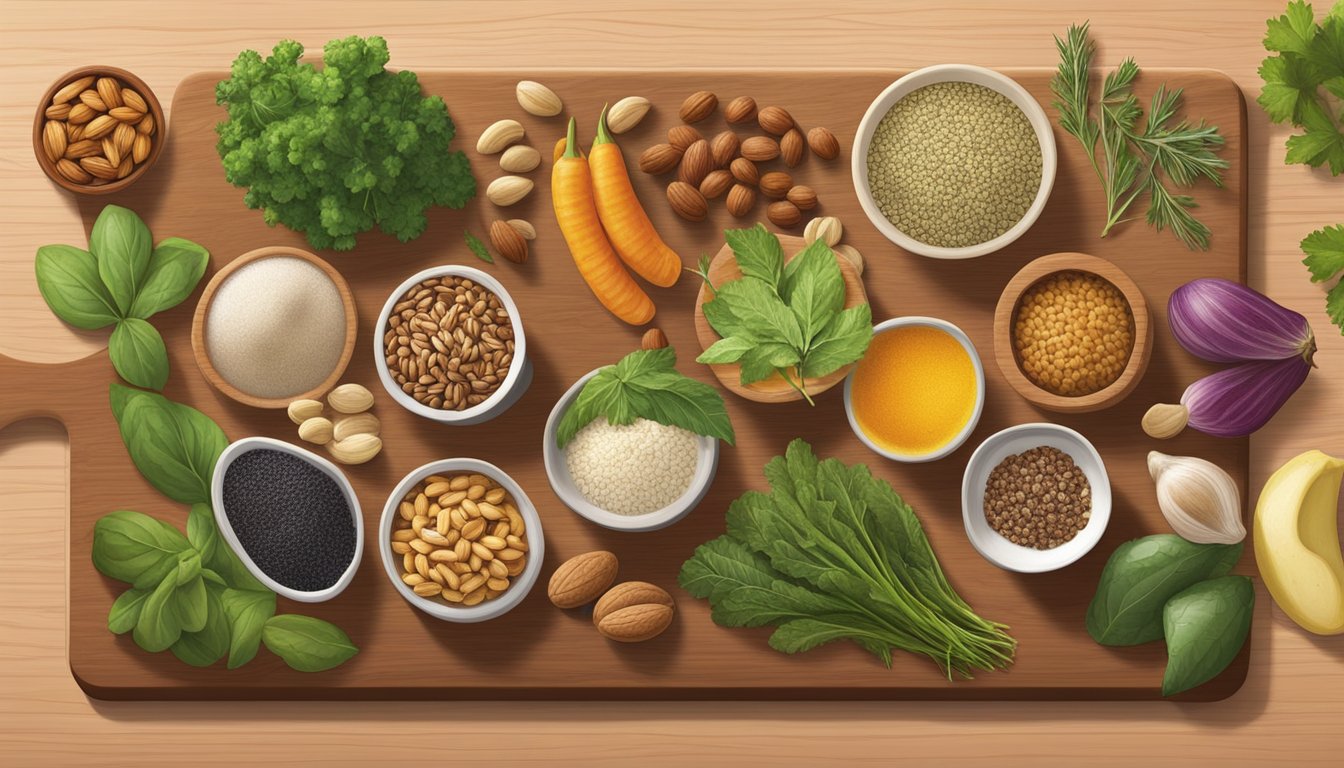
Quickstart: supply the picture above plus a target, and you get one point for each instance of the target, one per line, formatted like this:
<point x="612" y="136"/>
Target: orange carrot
<point x="627" y="225"/>
<point x="572" y="197"/>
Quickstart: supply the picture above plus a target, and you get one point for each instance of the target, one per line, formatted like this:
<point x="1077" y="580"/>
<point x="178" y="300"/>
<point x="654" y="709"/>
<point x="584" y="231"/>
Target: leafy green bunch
<point x="1132" y="160"/>
<point x="1304" y="83"/>
<point x="1325" y="259"/>
<point x="336" y="151"/>
<point x="122" y="279"/>
<point x="783" y="318"/>
<point x="832" y="553"/>
<point x="191" y="595"/>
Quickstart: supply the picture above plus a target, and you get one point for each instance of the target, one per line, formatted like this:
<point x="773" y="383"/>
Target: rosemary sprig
<point x="1134" y="161"/>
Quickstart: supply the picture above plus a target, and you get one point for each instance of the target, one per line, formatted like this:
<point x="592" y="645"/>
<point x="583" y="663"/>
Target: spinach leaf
<point x="248" y="611"/>
<point x="1205" y="626"/>
<point x="174" y="446"/>
<point x="307" y="644"/>
<point x="175" y="267"/>
<point x="138" y="354"/>
<point x="208" y="644"/>
<point x="125" y="611"/>
<point x="757" y="252"/>
<point x="68" y="279"/>
<point x="1139" y="579"/>
<point x="122" y="245"/>
<point x="135" y="548"/>
<point x="159" y="625"/>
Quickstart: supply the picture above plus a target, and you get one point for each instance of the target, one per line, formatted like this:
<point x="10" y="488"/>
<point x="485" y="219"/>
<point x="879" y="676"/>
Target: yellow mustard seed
<point x="1073" y="333"/>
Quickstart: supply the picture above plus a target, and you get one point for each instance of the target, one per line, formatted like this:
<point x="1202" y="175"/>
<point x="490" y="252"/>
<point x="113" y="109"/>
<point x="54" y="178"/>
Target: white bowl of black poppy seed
<point x="1035" y="498"/>
<point x="290" y="515"/>
<point x="449" y="346"/>
<point x="954" y="161"/>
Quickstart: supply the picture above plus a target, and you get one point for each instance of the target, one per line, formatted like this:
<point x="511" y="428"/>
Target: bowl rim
<point x="1005" y="313"/>
<point x="1027" y="559"/>
<point x="490" y="609"/>
<point x="940" y="73"/>
<point x="956" y="442"/>
<point x="243" y="445"/>
<point x="198" y="329"/>
<point x="557" y="473"/>
<point x="155" y="109"/>
<point x="499" y="401"/>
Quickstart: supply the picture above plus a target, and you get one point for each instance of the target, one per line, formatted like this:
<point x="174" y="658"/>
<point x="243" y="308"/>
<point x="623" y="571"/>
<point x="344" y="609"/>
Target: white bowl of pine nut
<point x="449" y="346"/>
<point x="461" y="541"/>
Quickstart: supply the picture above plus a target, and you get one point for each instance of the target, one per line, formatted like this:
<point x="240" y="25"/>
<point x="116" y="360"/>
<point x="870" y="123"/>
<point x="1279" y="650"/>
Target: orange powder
<point x="914" y="390"/>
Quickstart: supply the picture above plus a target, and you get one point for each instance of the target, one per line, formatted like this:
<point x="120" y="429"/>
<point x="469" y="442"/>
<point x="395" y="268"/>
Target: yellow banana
<point x="1297" y="541"/>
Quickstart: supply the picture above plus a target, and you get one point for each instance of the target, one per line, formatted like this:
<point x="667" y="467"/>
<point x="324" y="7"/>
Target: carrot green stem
<point x="602" y="136"/>
<point x="571" y="143"/>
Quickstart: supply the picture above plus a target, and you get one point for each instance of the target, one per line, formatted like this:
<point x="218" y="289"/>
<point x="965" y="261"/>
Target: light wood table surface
<point x="1290" y="709"/>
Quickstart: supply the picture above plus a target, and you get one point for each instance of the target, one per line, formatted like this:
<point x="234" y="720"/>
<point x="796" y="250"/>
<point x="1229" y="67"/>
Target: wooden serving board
<point x="538" y="651"/>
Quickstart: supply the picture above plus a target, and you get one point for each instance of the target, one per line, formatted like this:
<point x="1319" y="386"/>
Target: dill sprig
<point x="1133" y="161"/>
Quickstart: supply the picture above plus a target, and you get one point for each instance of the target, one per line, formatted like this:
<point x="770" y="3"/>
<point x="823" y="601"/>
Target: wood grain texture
<point x="1287" y="711"/>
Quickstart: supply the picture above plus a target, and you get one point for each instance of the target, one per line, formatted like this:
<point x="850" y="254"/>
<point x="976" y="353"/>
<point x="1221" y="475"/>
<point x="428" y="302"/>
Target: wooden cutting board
<point x="538" y="651"/>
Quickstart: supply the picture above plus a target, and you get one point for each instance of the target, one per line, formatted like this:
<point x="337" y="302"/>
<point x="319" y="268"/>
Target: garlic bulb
<point x="1198" y="498"/>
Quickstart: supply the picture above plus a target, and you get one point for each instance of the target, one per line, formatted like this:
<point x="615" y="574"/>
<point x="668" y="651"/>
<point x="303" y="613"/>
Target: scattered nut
<point x="824" y="228"/>
<point x="519" y="158"/>
<point x="537" y="99"/>
<point x="724" y="148"/>
<point x="760" y="149"/>
<point x="346" y="426"/>
<point x="682" y="137"/>
<point x="302" y="410"/>
<point x="852" y="254"/>
<point x="636" y="623"/>
<point x="317" y="430"/>
<point x="823" y="143"/>
<point x="745" y="171"/>
<point x="776" y="184"/>
<point x="740" y="110"/>
<point x="792" y="147"/>
<point x="1165" y="420"/>
<point x="660" y="158"/>
<point x="653" y="338"/>
<point x="716" y="184"/>
<point x="627" y="113"/>
<point x="356" y="449"/>
<point x="783" y="214"/>
<point x="524" y="228"/>
<point x="507" y="241"/>
<point x="696" y="163"/>
<point x="629" y="593"/>
<point x="698" y="106"/>
<point x="687" y="202"/>
<point x="350" y="398"/>
<point x="498" y="136"/>
<point x="775" y="120"/>
<point x="741" y="199"/>
<point x="582" y="579"/>
<point x="507" y="190"/>
<point x="802" y="196"/>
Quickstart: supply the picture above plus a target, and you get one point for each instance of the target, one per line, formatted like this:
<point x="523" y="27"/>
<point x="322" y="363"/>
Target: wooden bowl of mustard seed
<point x="1072" y="333"/>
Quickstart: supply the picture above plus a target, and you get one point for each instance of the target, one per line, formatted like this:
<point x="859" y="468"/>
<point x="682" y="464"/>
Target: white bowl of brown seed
<point x="1035" y="498"/>
<point x="461" y="541"/>
<point x="450" y="346"/>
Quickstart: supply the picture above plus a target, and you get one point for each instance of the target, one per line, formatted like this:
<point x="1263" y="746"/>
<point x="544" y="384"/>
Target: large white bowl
<point x="944" y="73"/>
<point x="557" y="471"/>
<point x="238" y="448"/>
<point x="464" y="614"/>
<point x="514" y="384"/>
<point x="999" y="446"/>
<point x="955" y="442"/>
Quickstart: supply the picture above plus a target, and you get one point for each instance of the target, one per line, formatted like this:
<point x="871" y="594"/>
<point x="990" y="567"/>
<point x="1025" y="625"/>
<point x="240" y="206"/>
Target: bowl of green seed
<point x="954" y="161"/>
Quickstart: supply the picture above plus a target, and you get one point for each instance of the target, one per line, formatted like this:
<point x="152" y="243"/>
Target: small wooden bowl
<point x="208" y="296"/>
<point x="1005" y="351"/>
<point x="156" y="143"/>
<point x="723" y="269"/>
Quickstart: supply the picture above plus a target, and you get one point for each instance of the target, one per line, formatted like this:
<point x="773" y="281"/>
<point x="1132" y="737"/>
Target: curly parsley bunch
<point x="336" y="151"/>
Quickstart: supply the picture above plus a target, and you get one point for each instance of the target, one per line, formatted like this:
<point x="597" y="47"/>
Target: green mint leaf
<point x="758" y="253"/>
<point x="125" y="611"/>
<point x="207" y="645"/>
<point x="813" y="288"/>
<point x="138" y="354"/>
<point x="68" y="279"/>
<point x="723" y="351"/>
<point x="765" y="359"/>
<point x="1293" y="31"/>
<point x="247" y="612"/>
<point x="842" y="341"/>
<point x="477" y="247"/>
<point x="175" y="267"/>
<point x="307" y="644"/>
<point x="675" y="400"/>
<point x="122" y="245"/>
<point x="1205" y="627"/>
<point x="135" y="548"/>
<point x="174" y="446"/>
<point x="1325" y="252"/>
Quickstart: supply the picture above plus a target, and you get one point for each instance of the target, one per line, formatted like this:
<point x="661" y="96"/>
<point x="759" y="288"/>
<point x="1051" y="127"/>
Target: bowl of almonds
<point x="461" y="541"/>
<point x="97" y="130"/>
<point x="450" y="346"/>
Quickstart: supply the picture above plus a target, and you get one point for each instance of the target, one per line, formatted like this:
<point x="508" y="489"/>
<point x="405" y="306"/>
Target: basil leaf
<point x="208" y="644"/>
<point x="1139" y="579"/>
<point x="307" y="644"/>
<point x="202" y="532"/>
<point x="138" y="354"/>
<point x="136" y="548"/>
<point x="813" y="288"/>
<point x="68" y="279"/>
<point x="159" y="625"/>
<point x="175" y="447"/>
<point x="188" y="567"/>
<point x="175" y="267"/>
<point x="190" y="604"/>
<point x="843" y="340"/>
<point x="125" y="611"/>
<point x="758" y="253"/>
<point x="211" y="577"/>
<point x="1206" y="627"/>
<point x="248" y="612"/>
<point x="122" y="245"/>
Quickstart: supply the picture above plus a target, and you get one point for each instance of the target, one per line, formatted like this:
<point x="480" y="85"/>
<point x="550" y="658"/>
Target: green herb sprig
<point x="1132" y="160"/>
<point x="1325" y="259"/>
<point x="786" y="319"/>
<point x="123" y="279"/>
<point x="1304" y="83"/>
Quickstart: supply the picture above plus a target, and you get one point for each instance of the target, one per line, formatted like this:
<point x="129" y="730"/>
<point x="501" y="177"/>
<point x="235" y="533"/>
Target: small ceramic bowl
<point x="944" y="73"/>
<point x="489" y="609"/>
<point x="1005" y="316"/>
<point x="955" y="442"/>
<point x="240" y="447"/>
<point x="557" y="471"/>
<point x="515" y="384"/>
<point x="999" y="446"/>
<point x="127" y="79"/>
<point x="199" y="320"/>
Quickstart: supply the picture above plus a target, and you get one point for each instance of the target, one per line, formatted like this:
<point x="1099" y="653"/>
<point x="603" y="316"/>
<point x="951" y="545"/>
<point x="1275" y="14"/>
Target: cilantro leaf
<point x="1325" y="259"/>
<point x="1293" y="31"/>
<point x="758" y="253"/>
<point x="1306" y="71"/>
<point x="1320" y="144"/>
